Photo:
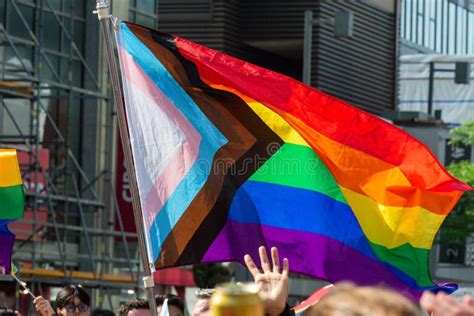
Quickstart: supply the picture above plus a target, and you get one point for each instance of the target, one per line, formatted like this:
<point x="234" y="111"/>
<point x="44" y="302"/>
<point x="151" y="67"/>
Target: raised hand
<point x="443" y="305"/>
<point x="273" y="283"/>
<point x="42" y="306"/>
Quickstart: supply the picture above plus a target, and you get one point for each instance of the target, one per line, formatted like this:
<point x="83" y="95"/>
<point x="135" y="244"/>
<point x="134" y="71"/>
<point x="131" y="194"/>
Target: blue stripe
<point x="308" y="211"/>
<point x="179" y="201"/>
<point x="212" y="139"/>
<point x="298" y="209"/>
<point x="4" y="227"/>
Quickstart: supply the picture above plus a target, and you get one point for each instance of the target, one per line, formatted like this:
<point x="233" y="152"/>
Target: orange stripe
<point x="365" y="174"/>
<point x="370" y="176"/>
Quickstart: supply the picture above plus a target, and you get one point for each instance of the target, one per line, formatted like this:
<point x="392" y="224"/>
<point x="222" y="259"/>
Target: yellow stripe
<point x="277" y="124"/>
<point x="287" y="133"/>
<point x="9" y="169"/>
<point x="393" y="226"/>
<point x="389" y="226"/>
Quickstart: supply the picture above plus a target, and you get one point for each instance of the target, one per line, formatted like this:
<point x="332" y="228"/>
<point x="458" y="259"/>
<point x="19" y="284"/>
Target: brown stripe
<point x="248" y="163"/>
<point x="234" y="163"/>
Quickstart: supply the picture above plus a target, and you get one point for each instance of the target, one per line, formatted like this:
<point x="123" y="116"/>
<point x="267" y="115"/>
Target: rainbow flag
<point x="11" y="204"/>
<point x="230" y="156"/>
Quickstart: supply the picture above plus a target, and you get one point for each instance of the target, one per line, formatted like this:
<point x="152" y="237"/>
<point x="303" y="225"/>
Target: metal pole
<point x="104" y="19"/>
<point x="430" y="88"/>
<point x="308" y="41"/>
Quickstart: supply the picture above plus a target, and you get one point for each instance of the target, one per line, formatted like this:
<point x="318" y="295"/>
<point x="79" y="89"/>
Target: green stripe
<point x="12" y="202"/>
<point x="299" y="166"/>
<point x="412" y="261"/>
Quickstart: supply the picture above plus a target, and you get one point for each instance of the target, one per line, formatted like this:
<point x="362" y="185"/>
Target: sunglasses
<point x="71" y="308"/>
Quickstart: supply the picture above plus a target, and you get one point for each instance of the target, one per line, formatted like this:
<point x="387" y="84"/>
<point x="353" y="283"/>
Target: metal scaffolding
<point x="73" y="227"/>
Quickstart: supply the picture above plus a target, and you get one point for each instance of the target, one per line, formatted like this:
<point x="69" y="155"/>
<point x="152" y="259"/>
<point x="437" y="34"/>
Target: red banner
<point x="124" y="194"/>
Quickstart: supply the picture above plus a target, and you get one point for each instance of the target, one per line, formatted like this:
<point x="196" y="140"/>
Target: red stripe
<point x="329" y="116"/>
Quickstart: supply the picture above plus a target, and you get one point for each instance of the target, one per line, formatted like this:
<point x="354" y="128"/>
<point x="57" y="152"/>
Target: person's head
<point x="73" y="300"/>
<point x="175" y="304"/>
<point x="203" y="304"/>
<point x="346" y="299"/>
<point x="102" y="312"/>
<point x="135" y="307"/>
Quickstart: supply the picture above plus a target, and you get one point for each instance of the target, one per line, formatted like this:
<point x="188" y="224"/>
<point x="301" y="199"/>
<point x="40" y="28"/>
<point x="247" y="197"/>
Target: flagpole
<point x="102" y="11"/>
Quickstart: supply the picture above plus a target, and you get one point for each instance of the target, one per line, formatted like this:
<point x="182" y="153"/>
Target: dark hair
<point x="69" y="292"/>
<point x="102" y="312"/>
<point x="172" y="300"/>
<point x="132" y="304"/>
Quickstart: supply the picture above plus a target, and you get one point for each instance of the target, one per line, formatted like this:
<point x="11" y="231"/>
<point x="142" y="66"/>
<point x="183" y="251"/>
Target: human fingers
<point x="251" y="265"/>
<point x="275" y="260"/>
<point x="38" y="299"/>
<point x="467" y="300"/>
<point x="264" y="259"/>
<point x="427" y="300"/>
<point x="286" y="267"/>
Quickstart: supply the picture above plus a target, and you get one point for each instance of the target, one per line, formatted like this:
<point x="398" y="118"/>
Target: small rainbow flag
<point x="230" y="156"/>
<point x="12" y="201"/>
<point x="312" y="300"/>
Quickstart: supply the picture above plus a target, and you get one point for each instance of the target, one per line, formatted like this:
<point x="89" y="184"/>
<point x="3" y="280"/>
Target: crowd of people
<point x="344" y="299"/>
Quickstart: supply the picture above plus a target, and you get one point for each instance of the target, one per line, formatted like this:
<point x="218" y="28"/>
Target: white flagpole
<point x="102" y="11"/>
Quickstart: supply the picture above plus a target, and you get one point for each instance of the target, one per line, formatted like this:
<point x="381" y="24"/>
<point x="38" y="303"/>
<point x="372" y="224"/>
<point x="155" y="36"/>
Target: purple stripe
<point x="6" y="240"/>
<point x="312" y="254"/>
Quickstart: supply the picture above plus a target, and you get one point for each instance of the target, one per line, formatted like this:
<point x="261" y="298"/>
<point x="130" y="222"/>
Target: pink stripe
<point x="184" y="158"/>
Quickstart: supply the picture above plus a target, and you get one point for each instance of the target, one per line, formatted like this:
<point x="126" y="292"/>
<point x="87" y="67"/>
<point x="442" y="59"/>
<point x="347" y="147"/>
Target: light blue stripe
<point x="212" y="139"/>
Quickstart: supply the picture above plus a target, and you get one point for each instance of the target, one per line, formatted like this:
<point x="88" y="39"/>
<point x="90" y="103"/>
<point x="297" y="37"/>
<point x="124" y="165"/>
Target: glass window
<point x="147" y="6"/>
<point x="407" y="18"/>
<point x="55" y="4"/>
<point x="12" y="59"/>
<point x="445" y="27"/>
<point x="419" y="22"/>
<point x="470" y="29"/>
<point x="403" y="19"/>
<point x="438" y="30"/>
<point x="68" y="6"/>
<point x="77" y="73"/>
<point x="74" y="129"/>
<point x="51" y="31"/>
<point x="451" y="28"/>
<point x="46" y="70"/>
<point x="432" y="24"/>
<point x="413" y="22"/>
<point x="461" y="30"/>
<point x="145" y="20"/>
<point x="66" y="44"/>
<point x="65" y="72"/>
<point x="16" y="26"/>
<point x="79" y="8"/>
<point x="2" y="12"/>
<point x="78" y="35"/>
<point x="426" y="23"/>
<point x="143" y="12"/>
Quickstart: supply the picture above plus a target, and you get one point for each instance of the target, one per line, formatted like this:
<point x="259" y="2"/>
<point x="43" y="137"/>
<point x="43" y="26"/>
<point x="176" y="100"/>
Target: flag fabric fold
<point x="11" y="203"/>
<point x="230" y="156"/>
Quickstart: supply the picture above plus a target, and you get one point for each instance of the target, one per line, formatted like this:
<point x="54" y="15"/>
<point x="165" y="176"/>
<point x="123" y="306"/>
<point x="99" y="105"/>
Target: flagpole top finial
<point x="102" y="10"/>
<point x="101" y="4"/>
